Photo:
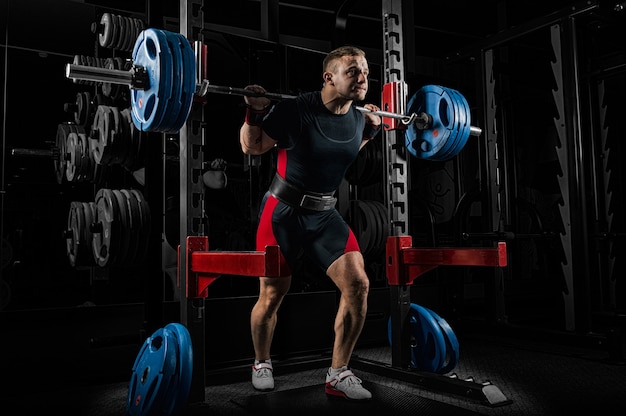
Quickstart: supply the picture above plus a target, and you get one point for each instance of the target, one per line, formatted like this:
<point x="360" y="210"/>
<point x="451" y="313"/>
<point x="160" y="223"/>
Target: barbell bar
<point x="136" y="78"/>
<point x="164" y="79"/>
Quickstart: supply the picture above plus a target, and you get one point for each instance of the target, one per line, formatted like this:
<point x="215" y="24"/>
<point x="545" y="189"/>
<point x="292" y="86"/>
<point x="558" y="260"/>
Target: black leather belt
<point x="295" y="197"/>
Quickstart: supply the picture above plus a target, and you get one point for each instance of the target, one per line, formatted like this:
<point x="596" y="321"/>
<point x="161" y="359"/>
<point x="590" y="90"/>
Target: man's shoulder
<point x="309" y="96"/>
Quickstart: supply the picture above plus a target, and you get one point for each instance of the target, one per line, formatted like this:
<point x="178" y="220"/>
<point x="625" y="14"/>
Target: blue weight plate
<point x="467" y="121"/>
<point x="152" y="374"/>
<point x="188" y="72"/>
<point x="447" y="150"/>
<point x="432" y="100"/>
<point x="454" y="127"/>
<point x="415" y="105"/>
<point x="452" y="344"/>
<point x="179" y="391"/>
<point x="428" y="344"/>
<point x="152" y="52"/>
<point x="173" y="105"/>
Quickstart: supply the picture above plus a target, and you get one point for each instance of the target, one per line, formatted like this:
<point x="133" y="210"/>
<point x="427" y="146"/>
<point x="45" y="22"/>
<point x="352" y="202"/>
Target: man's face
<point x="350" y="77"/>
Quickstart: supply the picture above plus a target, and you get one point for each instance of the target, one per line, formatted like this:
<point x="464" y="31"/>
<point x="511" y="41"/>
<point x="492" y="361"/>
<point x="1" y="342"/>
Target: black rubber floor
<point x="312" y="400"/>
<point x="538" y="378"/>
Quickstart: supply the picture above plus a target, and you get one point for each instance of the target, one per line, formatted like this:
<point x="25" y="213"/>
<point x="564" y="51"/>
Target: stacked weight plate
<point x="78" y="236"/>
<point x="450" y="123"/>
<point x="169" y="61"/>
<point x="121" y="227"/>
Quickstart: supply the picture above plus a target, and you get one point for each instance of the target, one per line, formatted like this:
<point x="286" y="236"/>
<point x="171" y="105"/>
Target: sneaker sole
<point x="336" y="393"/>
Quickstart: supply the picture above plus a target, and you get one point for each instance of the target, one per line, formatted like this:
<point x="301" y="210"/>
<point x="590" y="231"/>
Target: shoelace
<point x="351" y="380"/>
<point x="263" y="373"/>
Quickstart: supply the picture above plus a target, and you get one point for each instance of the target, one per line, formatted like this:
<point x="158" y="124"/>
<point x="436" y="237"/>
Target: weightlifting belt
<point x="295" y="197"/>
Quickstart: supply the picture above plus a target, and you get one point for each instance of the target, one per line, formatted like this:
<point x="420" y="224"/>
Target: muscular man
<point x="317" y="136"/>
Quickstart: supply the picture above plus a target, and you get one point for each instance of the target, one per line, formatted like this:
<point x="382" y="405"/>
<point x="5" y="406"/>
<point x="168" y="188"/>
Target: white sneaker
<point x="263" y="376"/>
<point x="347" y="385"/>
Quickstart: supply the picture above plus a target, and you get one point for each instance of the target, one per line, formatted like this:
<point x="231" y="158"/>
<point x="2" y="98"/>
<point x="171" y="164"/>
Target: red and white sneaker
<point x="347" y="385"/>
<point x="263" y="376"/>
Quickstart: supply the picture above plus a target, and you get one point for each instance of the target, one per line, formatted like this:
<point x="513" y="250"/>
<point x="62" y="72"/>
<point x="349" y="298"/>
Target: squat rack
<point x="198" y="267"/>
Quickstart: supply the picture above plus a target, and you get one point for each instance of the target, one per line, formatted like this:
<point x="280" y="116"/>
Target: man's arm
<point x="372" y="125"/>
<point x="252" y="138"/>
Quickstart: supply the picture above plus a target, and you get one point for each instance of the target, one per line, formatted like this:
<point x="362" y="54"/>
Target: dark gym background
<point x="544" y="80"/>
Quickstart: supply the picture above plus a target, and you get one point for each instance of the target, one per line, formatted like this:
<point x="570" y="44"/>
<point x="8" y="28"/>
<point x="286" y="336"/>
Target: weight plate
<point x="125" y="232"/>
<point x="74" y="153"/>
<point x="86" y="167"/>
<point x="465" y="123"/>
<point x="145" y="224"/>
<point x="445" y="150"/>
<point x="121" y="32"/>
<point x="152" y="374"/>
<point x="60" y="161"/>
<point x="134" y="226"/>
<point x="103" y="124"/>
<point x="178" y="393"/>
<point x="174" y="105"/>
<point x="433" y="100"/>
<point x="106" y="35"/>
<point x="118" y="141"/>
<point x="152" y="52"/>
<point x="73" y="234"/>
<point x="133" y="137"/>
<point x="107" y="87"/>
<point x="427" y="341"/>
<point x="452" y="344"/>
<point x="381" y="217"/>
<point x="105" y="243"/>
<point x="89" y="212"/>
<point x="188" y="74"/>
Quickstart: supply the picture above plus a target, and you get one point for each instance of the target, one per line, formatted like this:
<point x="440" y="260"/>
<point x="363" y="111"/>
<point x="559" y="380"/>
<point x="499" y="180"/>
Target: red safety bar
<point x="405" y="263"/>
<point x="204" y="266"/>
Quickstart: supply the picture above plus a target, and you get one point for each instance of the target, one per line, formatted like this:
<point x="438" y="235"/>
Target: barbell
<point x="163" y="83"/>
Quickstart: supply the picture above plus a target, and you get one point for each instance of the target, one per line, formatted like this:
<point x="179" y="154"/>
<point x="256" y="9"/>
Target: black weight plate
<point x="145" y="224"/>
<point x="106" y="34"/>
<point x="89" y="213"/>
<point x="134" y="226"/>
<point x="73" y="235"/>
<point x="60" y="162"/>
<point x="125" y="233"/>
<point x="131" y="136"/>
<point x="74" y="151"/>
<point x="106" y="242"/>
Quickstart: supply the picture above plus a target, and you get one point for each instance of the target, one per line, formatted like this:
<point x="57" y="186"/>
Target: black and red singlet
<point x="314" y="150"/>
